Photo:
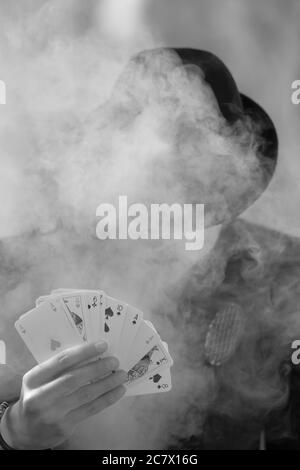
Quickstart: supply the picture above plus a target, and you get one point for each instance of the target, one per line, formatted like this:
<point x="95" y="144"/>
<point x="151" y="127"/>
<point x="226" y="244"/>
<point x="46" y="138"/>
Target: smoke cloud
<point x="85" y="123"/>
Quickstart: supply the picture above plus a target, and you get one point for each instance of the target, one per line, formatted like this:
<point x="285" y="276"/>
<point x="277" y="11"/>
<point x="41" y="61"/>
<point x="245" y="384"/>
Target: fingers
<point x="91" y="392"/>
<point x="96" y="406"/>
<point x="94" y="371"/>
<point x="89" y="373"/>
<point x="74" y="379"/>
<point x="64" y="361"/>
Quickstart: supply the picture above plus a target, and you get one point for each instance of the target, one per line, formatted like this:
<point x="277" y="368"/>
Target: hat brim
<point x="267" y="140"/>
<point x="236" y="108"/>
<point x="266" y="131"/>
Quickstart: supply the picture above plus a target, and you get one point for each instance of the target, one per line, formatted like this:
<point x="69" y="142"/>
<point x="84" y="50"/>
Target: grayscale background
<point x="60" y="60"/>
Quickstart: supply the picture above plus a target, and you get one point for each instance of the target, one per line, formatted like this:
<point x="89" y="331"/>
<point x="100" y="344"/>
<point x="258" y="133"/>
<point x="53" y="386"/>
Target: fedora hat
<point x="235" y="108"/>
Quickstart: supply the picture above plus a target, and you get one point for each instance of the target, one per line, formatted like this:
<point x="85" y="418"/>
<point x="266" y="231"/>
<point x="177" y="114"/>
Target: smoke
<point x="260" y="44"/>
<point x="85" y="123"/>
<point x="122" y="20"/>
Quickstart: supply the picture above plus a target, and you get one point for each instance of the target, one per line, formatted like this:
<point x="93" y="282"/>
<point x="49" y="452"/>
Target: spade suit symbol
<point x="108" y="313"/>
<point x="54" y="345"/>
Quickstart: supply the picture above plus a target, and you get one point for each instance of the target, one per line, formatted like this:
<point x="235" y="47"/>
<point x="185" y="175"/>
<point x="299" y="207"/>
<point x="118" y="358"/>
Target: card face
<point x="46" y="330"/>
<point x="151" y="326"/>
<point x="144" y="340"/>
<point x="130" y="328"/>
<point x="159" y="382"/>
<point x="94" y="310"/>
<point x="114" y="316"/>
<point x="73" y="305"/>
<point x="91" y="315"/>
<point x="85" y="308"/>
<point x="156" y="360"/>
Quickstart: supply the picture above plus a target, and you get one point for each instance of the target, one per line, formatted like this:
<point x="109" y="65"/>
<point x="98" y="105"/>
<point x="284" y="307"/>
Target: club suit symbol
<point x="94" y="303"/>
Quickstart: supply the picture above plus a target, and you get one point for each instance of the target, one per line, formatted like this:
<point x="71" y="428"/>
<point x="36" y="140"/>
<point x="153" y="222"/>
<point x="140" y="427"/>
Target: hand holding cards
<point x="69" y="317"/>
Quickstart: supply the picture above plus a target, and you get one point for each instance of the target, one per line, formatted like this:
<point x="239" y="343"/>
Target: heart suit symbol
<point x="55" y="345"/>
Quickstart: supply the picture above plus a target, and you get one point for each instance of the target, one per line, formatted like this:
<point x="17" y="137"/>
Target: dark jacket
<point x="258" y="389"/>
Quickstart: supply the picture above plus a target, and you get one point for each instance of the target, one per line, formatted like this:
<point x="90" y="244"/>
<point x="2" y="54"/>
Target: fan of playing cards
<point x="68" y="317"/>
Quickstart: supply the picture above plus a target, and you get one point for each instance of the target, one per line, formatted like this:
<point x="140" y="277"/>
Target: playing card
<point x="46" y="330"/>
<point x="156" y="360"/>
<point x="41" y="299"/>
<point x="85" y="308"/>
<point x="73" y="304"/>
<point x="94" y="310"/>
<point x="63" y="290"/>
<point x="130" y="328"/>
<point x="93" y="316"/>
<point x="145" y="338"/>
<point x="159" y="382"/>
<point x="151" y="326"/>
<point x="115" y="313"/>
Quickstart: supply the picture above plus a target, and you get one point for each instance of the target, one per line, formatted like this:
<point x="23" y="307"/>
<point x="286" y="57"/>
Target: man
<point x="236" y="300"/>
<point x="245" y="303"/>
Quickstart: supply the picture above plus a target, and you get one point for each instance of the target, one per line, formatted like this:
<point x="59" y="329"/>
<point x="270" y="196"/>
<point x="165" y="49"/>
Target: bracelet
<point x="3" y="407"/>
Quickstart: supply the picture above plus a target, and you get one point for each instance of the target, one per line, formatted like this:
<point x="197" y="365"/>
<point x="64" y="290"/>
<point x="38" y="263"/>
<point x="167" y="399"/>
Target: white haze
<point x="70" y="139"/>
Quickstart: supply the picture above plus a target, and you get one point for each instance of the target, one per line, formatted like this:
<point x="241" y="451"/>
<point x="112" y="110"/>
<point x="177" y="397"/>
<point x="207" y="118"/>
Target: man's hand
<point x="59" y="394"/>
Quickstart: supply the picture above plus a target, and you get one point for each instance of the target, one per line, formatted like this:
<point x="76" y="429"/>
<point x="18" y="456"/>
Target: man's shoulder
<point x="279" y="246"/>
<point x="257" y="258"/>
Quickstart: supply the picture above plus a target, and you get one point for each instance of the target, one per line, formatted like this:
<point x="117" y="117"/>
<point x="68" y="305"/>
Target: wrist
<point x="12" y="434"/>
<point x="10" y="430"/>
<point x="3" y="445"/>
